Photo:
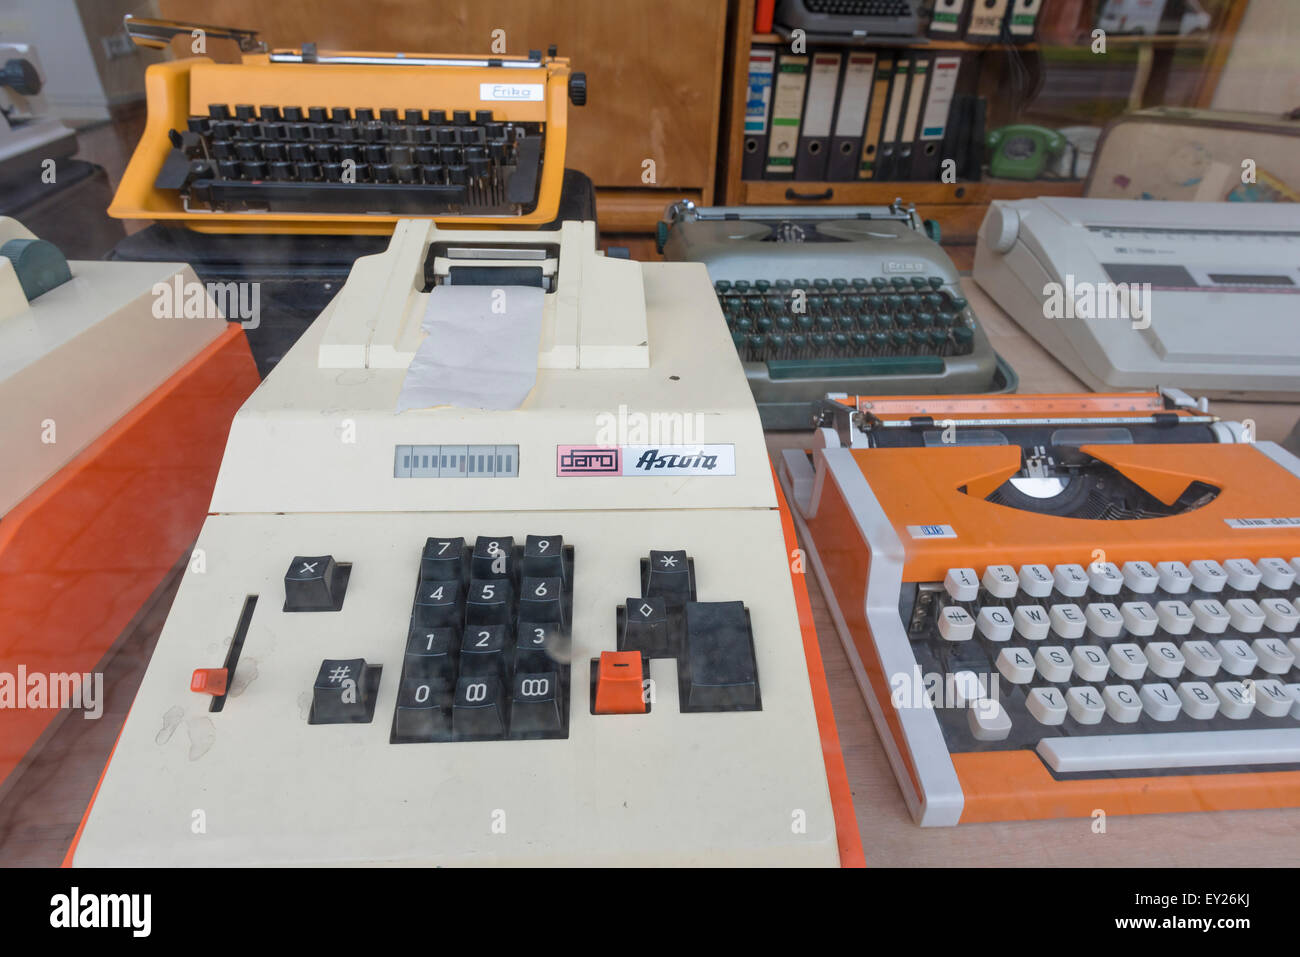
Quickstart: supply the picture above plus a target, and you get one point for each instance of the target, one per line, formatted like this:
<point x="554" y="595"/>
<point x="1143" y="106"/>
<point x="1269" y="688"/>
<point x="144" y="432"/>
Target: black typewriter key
<point x="496" y="132"/>
<point x="437" y="604"/>
<point x="423" y="710"/>
<point x="442" y="559"/>
<point x="898" y="282"/>
<point x="394" y="131"/>
<point x="388" y="115"/>
<point x="324" y="152"/>
<point x="317" y="114"/>
<point x="406" y="173"/>
<point x="539" y="645"/>
<point x="644" y="627"/>
<point x="246" y="131"/>
<point x="935" y="282"/>
<point x="229" y="169"/>
<point x="332" y="172"/>
<point x="446" y="136"/>
<point x="253" y="170"/>
<point x="409" y="135"/>
<point x="433" y="174"/>
<point x="492" y="557"/>
<point x="425" y="155"/>
<point x="270" y="114"/>
<point x="963" y="336"/>
<point x="281" y="171"/>
<point x="340" y="114"/>
<point x="309" y="172"/>
<point x="422" y="135"/>
<point x="475" y="135"/>
<point x="365" y="115"/>
<point x="449" y="155"/>
<point x="351" y="152"/>
<point x="299" y="152"/>
<point x="541" y="599"/>
<point x="486" y="650"/>
<point x="482" y="116"/>
<point x="458" y="175"/>
<point x="381" y="172"/>
<point x="218" y="111"/>
<point x="912" y="302"/>
<point x="413" y="117"/>
<point x="488" y="602"/>
<point x="437" y="117"/>
<point x="223" y="130"/>
<point x="245" y="150"/>
<point x="198" y="124"/>
<point x="376" y="154"/>
<point x="244" y="111"/>
<point x="460" y="117"/>
<point x="344" y="692"/>
<point x="300" y="132"/>
<point x="372" y="133"/>
<point x="292" y="114"/>
<point x="536" y="704"/>
<point x="478" y="710"/>
<point x="400" y="155"/>
<point x="320" y="132"/>
<point x="543" y="556"/>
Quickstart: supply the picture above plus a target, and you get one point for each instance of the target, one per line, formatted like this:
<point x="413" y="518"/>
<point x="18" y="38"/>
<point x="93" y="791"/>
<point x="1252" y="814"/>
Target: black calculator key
<point x="423" y="710"/>
<point x="442" y="559"/>
<point x="344" y="692"/>
<point x="488" y="602"/>
<point x="315" y="583"/>
<point x="493" y="557"/>
<point x="535" y="704"/>
<point x="485" y="650"/>
<point x="720" y="673"/>
<point x="539" y="646"/>
<point x="478" y="709"/>
<point x="431" y="652"/>
<point x="647" y="628"/>
<point x="437" y="604"/>
<point x="540" y="600"/>
<point x="544" y="556"/>
<point x="669" y="575"/>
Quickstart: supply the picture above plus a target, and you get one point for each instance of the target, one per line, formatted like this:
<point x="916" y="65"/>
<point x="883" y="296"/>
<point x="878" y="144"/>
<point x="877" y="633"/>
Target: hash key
<point x="492" y="557"/>
<point x="488" y="603"/>
<point x="442" y="559"/>
<point x="544" y="556"/>
<point x="671" y="577"/>
<point x="437" y="604"/>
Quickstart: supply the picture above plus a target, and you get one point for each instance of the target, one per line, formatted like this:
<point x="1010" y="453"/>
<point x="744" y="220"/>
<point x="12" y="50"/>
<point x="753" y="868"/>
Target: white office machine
<point x="1131" y="295"/>
<point x="407" y="622"/>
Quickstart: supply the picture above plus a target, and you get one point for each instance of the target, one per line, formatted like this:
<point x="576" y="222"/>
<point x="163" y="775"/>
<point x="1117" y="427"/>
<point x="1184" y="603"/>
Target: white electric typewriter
<point x="546" y="635"/>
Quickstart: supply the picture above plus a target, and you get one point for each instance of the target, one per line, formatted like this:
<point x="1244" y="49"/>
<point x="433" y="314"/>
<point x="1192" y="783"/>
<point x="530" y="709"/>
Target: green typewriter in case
<point x="854" y="299"/>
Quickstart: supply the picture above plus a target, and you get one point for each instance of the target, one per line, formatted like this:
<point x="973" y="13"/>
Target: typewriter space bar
<point x="1186" y="749"/>
<point x="287" y="197"/>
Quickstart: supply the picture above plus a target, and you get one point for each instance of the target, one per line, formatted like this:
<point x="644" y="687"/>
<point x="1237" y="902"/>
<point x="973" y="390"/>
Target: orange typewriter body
<point x="885" y="522"/>
<point x="514" y="89"/>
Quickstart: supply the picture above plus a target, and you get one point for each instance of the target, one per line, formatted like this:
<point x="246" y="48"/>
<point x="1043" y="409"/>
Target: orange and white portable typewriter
<point x="1056" y="604"/>
<point x="317" y="141"/>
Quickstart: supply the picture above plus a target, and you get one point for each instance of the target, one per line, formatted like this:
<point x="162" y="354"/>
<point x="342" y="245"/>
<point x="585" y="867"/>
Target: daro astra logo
<point x="75" y="909"/>
<point x="1103" y="300"/>
<point x="237" y="301"/>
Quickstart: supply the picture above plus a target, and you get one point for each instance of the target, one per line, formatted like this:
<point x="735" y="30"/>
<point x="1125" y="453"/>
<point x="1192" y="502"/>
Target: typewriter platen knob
<point x="578" y="89"/>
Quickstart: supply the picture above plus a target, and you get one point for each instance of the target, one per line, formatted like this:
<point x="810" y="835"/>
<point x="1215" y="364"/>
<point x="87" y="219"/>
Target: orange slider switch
<point x="209" y="681"/>
<point x="618" y="683"/>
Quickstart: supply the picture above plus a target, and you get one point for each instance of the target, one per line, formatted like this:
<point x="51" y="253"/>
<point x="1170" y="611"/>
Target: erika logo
<point x="74" y="909"/>
<point x="651" y="459"/>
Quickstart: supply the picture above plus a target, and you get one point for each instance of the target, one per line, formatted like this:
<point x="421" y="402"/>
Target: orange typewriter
<point x="313" y="141"/>
<point x="1060" y="604"/>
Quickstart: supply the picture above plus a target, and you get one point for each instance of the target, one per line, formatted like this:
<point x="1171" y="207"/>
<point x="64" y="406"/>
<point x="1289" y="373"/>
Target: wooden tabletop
<point x="891" y="839"/>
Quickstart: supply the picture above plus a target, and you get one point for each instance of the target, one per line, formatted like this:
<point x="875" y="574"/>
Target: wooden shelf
<point x="920" y="43"/>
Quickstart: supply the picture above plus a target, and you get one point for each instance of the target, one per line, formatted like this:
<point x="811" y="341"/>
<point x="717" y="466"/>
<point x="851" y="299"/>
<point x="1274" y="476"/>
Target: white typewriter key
<point x="1104" y="620"/>
<point x="1208" y="575"/>
<point x="1245" y="615"/>
<point x="995" y="623"/>
<point x="1000" y="581"/>
<point x="955" y="624"/>
<point x="1036" y="580"/>
<point x="1238" y="659"/>
<point x="1160" y="701"/>
<point x="1211" y="617"/>
<point x="1090" y="662"/>
<point x="1105" y="578"/>
<point x="1175" y="577"/>
<point x="1295" y="699"/>
<point x="1165" y="659"/>
<point x="1139" y="618"/>
<point x="1280" y="615"/>
<point x="1031" y="621"/>
<point x="1140" y="577"/>
<point x="1235" y="699"/>
<point x="1199" y="700"/>
<point x="1295" y="566"/>
<point x="1242" y="574"/>
<point x="1276" y="573"/>
<point x="967" y="688"/>
<point x="1294" y="645"/>
<point x="1122" y="703"/>
<point x="1047" y="705"/>
<point x="1201" y="658"/>
<point x="1271" y="698"/>
<point x="1085" y="704"/>
<point x="1053" y="663"/>
<point x="988" y="720"/>
<point x="1274" y="656"/>
<point x="1175" y="617"/>
<point x="1016" y="665"/>
<point x="1127" y="661"/>
<point x="1067" y="621"/>
<point x="962" y="584"/>
<point x="1071" y="580"/>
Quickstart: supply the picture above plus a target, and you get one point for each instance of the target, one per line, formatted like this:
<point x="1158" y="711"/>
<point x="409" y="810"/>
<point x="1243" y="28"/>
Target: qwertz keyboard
<point x="314" y="159"/>
<point x="1085" y="664"/>
<point x="861" y="8"/>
